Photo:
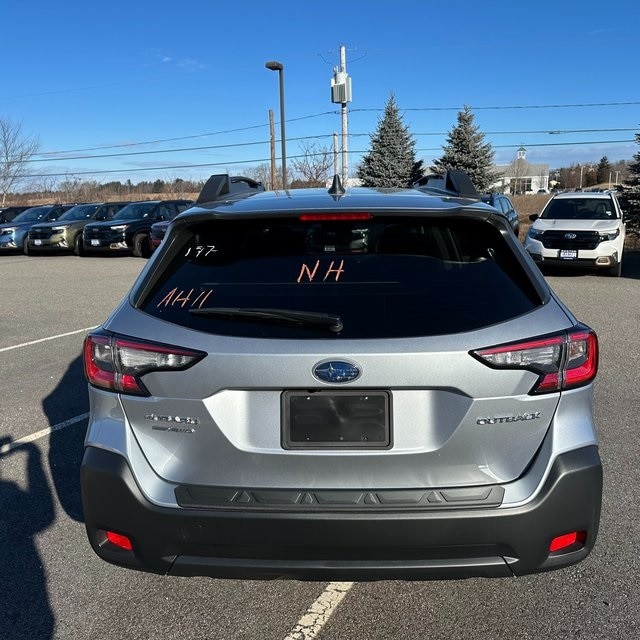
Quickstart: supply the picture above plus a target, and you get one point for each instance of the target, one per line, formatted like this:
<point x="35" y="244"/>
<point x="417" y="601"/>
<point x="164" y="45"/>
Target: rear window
<point x="382" y="277"/>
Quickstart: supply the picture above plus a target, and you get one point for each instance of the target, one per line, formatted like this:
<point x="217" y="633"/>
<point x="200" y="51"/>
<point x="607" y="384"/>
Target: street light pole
<point x="273" y="65"/>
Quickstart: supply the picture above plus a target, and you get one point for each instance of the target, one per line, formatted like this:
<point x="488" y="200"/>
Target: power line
<point x="262" y="160"/>
<point x="335" y="112"/>
<point x="179" y="138"/>
<point x="301" y="138"/>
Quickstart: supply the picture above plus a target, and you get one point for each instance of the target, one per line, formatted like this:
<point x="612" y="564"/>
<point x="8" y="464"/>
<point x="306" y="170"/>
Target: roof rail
<point x="223" y="185"/>
<point x="452" y="182"/>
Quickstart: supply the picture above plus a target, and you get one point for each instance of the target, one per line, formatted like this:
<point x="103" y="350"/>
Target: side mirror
<point x="534" y="216"/>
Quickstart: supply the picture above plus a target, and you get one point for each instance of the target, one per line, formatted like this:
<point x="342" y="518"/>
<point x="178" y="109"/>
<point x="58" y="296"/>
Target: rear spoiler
<point x="451" y="183"/>
<point x="222" y="185"/>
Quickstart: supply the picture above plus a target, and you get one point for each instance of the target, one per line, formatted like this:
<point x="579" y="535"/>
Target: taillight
<point x="562" y="361"/>
<point x="117" y="363"/>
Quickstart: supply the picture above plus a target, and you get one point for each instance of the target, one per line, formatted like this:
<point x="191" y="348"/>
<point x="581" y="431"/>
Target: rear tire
<point x="78" y="247"/>
<point x="616" y="271"/>
<point x="141" y="247"/>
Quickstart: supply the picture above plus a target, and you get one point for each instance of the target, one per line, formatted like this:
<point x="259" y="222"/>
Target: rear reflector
<point x="116" y="363"/>
<point x="564" y="542"/>
<point x="562" y="361"/>
<point x="118" y="540"/>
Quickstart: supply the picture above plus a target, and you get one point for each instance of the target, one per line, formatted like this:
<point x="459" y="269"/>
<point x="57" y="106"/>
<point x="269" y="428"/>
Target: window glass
<point x="385" y="277"/>
<point x="580" y="209"/>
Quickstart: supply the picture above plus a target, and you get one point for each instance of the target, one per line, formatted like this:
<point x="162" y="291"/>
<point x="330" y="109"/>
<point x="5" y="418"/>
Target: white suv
<point x="579" y="229"/>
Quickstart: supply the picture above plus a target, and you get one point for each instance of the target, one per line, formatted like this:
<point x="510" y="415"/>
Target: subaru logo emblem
<point x="336" y="371"/>
<point x="570" y="236"/>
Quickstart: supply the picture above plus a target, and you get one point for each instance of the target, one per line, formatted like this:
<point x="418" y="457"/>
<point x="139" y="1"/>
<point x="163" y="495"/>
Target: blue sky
<point x="154" y="78"/>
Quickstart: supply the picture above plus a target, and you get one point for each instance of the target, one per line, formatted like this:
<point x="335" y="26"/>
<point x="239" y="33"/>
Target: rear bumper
<point x="342" y="545"/>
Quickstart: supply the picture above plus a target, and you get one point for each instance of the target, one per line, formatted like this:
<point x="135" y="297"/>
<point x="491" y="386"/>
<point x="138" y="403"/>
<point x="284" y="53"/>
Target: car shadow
<point x="66" y="407"/>
<point x="26" y="509"/>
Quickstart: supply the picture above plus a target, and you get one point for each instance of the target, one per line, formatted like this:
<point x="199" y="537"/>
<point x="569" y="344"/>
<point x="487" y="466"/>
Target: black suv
<point x="128" y="231"/>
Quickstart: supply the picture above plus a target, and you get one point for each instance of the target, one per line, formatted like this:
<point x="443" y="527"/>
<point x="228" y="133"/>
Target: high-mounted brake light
<point x="562" y="361"/>
<point x="116" y="363"/>
<point x="312" y="217"/>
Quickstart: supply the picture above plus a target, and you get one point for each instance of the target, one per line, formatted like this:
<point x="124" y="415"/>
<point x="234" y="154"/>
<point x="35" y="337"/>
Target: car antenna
<point x="336" y="188"/>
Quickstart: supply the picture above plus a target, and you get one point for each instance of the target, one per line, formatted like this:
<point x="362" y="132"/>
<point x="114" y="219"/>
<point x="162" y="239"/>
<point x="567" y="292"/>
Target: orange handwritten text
<point x="309" y="274"/>
<point x="184" y="298"/>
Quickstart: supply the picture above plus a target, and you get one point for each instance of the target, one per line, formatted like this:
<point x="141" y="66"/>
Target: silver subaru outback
<point x="348" y="384"/>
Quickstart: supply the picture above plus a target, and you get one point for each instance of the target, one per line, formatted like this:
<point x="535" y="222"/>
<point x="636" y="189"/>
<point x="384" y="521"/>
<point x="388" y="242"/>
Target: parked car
<point x="579" y="229"/>
<point x="157" y="233"/>
<point x="7" y="214"/>
<point x="65" y="234"/>
<point x="129" y="229"/>
<point x="341" y="385"/>
<point x="458" y="181"/>
<point x="13" y="235"/>
<point x="236" y="185"/>
<point x="503" y="204"/>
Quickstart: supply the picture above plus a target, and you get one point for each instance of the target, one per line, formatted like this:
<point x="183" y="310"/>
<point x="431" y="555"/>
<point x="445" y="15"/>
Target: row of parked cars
<point x="86" y="228"/>
<point x="574" y="229"/>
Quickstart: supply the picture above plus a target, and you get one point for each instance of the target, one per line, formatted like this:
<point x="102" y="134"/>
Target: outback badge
<point x="336" y="371"/>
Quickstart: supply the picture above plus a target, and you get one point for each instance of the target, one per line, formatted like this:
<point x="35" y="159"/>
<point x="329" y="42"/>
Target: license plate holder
<point x="37" y="242"/>
<point x="95" y="242"/>
<point x="568" y="254"/>
<point x="336" y="419"/>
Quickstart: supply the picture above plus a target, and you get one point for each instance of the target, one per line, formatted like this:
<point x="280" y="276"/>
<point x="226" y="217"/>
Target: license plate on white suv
<point x="568" y="254"/>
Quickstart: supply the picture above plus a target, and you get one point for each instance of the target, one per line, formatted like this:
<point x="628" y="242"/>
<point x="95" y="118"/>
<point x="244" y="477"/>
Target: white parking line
<point x="317" y="615"/>
<point x="61" y="335"/>
<point x="41" y="434"/>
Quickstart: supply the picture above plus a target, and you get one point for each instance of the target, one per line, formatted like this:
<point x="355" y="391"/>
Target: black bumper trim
<point x="349" y="545"/>
<point x="197" y="497"/>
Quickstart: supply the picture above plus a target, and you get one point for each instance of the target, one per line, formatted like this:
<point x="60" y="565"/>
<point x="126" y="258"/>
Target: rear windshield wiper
<point x="302" y="318"/>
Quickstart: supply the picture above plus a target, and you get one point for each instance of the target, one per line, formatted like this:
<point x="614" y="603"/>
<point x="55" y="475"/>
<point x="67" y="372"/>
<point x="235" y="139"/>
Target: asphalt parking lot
<point x="53" y="586"/>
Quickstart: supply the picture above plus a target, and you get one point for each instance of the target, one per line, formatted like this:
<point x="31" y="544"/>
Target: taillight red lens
<point x="563" y="361"/>
<point x="582" y="359"/>
<point x="117" y="363"/>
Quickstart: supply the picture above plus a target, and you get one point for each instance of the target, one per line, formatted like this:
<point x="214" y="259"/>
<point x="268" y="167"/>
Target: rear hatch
<point x="351" y="352"/>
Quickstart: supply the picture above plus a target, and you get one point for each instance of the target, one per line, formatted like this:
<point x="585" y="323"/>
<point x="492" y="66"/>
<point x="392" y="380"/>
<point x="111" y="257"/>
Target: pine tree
<point x="391" y="162"/>
<point x="633" y="168"/>
<point x="466" y="151"/>
<point x="630" y="197"/>
<point x="603" y="170"/>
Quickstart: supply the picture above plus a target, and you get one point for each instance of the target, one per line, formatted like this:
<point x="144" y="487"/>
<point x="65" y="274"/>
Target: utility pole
<point x="335" y="153"/>
<point x="272" y="145"/>
<point x="341" y="94"/>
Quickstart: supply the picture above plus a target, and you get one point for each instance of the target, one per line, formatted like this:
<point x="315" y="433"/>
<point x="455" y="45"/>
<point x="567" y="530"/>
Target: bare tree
<point x="262" y="173"/>
<point x="16" y="149"/>
<point x="313" y="164"/>
<point x="518" y="170"/>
